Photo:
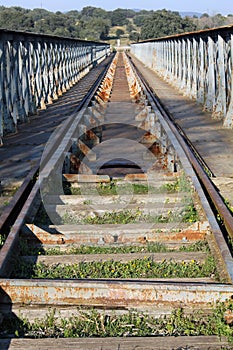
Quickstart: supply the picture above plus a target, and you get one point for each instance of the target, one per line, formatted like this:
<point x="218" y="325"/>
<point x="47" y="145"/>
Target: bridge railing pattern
<point x="200" y="64"/>
<point x="36" y="69"/>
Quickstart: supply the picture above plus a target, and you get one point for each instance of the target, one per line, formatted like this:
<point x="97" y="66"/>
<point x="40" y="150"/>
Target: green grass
<point x="187" y="215"/>
<point x="9" y="191"/>
<point x="123" y="217"/>
<point x="91" y="323"/>
<point x="201" y="246"/>
<point x="229" y="206"/>
<point x="140" y="268"/>
<point x="2" y="240"/>
<point x="180" y="185"/>
<point x="114" y="187"/>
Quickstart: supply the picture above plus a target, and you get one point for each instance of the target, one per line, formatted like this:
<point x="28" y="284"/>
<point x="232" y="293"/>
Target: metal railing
<point x="36" y="69"/>
<point x="200" y="64"/>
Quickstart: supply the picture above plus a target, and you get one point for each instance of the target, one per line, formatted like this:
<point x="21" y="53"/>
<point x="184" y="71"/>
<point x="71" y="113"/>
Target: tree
<point x="119" y="17"/>
<point x="204" y="15"/>
<point x="162" y="23"/>
<point x="90" y="11"/>
<point x="130" y="27"/>
<point x="134" y="36"/>
<point x="119" y="32"/>
<point x="140" y="19"/>
<point x="93" y="29"/>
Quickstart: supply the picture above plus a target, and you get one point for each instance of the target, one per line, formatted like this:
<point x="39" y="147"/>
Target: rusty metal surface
<point x="12" y="210"/>
<point x="105" y="293"/>
<point x="10" y="247"/>
<point x="132" y="233"/>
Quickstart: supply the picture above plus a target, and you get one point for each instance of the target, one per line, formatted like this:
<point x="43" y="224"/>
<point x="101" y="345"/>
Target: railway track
<point x="117" y="240"/>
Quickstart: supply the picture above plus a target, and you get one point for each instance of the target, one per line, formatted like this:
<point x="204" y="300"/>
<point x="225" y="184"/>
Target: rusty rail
<point x="13" y="209"/>
<point x="13" y="216"/>
<point x="196" y="161"/>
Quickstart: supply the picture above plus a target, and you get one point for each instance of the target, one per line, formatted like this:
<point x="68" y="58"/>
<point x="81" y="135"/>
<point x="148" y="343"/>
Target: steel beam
<point x="36" y="69"/>
<point x="199" y="64"/>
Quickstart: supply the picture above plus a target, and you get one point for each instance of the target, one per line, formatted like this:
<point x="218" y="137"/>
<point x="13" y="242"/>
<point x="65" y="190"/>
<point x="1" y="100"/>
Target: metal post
<point x="220" y="108"/>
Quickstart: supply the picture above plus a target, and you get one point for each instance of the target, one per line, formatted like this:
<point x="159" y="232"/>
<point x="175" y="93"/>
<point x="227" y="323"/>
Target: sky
<point x="208" y="6"/>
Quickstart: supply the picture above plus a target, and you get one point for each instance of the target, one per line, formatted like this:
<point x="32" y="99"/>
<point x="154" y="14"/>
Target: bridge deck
<point x="214" y="143"/>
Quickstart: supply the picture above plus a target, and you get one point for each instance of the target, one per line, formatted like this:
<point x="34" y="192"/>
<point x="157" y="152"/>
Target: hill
<point x="93" y="23"/>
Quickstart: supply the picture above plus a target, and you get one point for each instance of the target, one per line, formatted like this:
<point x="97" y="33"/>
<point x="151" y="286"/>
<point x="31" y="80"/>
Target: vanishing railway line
<point x="118" y="234"/>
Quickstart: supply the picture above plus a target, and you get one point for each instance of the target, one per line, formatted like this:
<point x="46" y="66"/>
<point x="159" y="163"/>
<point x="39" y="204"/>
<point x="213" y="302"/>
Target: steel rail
<point x="195" y="159"/>
<point x="13" y="209"/>
<point x="15" y="213"/>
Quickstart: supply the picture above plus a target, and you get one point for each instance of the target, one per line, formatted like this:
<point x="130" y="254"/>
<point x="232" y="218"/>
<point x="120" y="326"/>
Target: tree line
<point x="92" y="23"/>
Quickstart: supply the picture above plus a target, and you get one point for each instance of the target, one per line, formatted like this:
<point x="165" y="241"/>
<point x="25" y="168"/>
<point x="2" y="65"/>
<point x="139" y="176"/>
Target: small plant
<point x="2" y="240"/>
<point x="87" y="202"/>
<point x="9" y="191"/>
<point x="229" y="206"/>
<point x="189" y="214"/>
<point x="26" y="249"/>
<point x="91" y="323"/>
<point x="180" y="185"/>
<point x="105" y="189"/>
<point x="157" y="247"/>
<point x="121" y="217"/>
<point x="140" y="268"/>
<point x="76" y="191"/>
<point x="200" y="246"/>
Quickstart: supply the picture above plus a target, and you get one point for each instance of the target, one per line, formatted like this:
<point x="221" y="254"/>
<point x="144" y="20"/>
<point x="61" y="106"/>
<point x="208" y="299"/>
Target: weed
<point x="157" y="247"/>
<point x="122" y="217"/>
<point x="200" y="246"/>
<point x="229" y="206"/>
<point x="180" y="185"/>
<point x="2" y="240"/>
<point x="188" y="214"/>
<point x="140" y="268"/>
<point x="76" y="191"/>
<point x="9" y="191"/>
<point x="91" y="323"/>
<point x="113" y="188"/>
<point x="87" y="202"/>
